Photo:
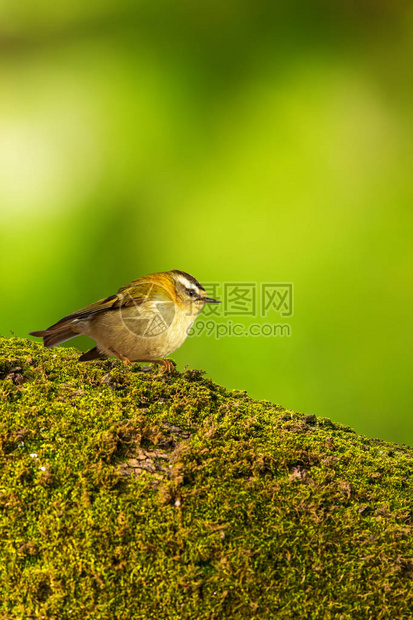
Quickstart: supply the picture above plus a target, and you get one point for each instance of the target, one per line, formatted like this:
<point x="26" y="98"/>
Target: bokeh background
<point x="239" y="141"/>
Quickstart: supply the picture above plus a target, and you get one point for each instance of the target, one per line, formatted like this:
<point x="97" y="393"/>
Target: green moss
<point x="172" y="497"/>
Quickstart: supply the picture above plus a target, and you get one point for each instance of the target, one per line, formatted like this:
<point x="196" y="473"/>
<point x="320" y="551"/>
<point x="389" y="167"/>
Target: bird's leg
<point x="126" y="361"/>
<point x="168" y="366"/>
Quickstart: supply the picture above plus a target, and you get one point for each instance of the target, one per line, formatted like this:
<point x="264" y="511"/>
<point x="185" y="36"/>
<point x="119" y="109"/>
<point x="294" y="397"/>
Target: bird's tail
<point x="58" y="333"/>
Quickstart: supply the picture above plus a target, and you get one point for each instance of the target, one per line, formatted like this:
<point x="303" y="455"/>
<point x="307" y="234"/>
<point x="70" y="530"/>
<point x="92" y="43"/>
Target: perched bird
<point x="144" y="322"/>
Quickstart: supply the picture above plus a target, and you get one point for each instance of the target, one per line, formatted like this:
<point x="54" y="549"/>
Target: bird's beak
<point x="209" y="300"/>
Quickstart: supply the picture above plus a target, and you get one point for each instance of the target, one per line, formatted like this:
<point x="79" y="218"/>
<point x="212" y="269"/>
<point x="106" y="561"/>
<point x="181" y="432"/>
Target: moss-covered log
<point x="129" y="494"/>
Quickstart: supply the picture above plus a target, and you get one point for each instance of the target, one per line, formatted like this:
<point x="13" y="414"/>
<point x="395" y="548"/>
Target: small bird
<point x="144" y="322"/>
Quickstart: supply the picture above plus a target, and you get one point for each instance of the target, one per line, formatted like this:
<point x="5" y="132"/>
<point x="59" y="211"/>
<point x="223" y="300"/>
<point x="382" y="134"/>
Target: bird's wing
<point x="142" y="291"/>
<point x="135" y="294"/>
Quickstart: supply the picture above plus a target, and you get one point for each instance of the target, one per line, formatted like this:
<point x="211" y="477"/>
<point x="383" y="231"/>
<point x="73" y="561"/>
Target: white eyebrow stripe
<point x="187" y="284"/>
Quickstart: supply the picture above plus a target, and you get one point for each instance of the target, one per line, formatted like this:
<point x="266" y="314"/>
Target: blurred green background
<point x="238" y="141"/>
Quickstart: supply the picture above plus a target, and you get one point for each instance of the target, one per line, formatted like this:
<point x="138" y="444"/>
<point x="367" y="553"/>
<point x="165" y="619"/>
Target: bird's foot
<point x="126" y="361"/>
<point x="167" y="365"/>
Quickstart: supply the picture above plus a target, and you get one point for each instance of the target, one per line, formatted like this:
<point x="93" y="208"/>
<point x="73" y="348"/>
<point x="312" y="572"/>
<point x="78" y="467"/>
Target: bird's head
<point x="189" y="292"/>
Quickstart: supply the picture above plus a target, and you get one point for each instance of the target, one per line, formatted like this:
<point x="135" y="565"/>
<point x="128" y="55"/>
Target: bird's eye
<point x="190" y="292"/>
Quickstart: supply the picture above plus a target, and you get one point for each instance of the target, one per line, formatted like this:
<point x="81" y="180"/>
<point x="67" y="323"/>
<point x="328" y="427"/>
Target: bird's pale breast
<point x="141" y="333"/>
